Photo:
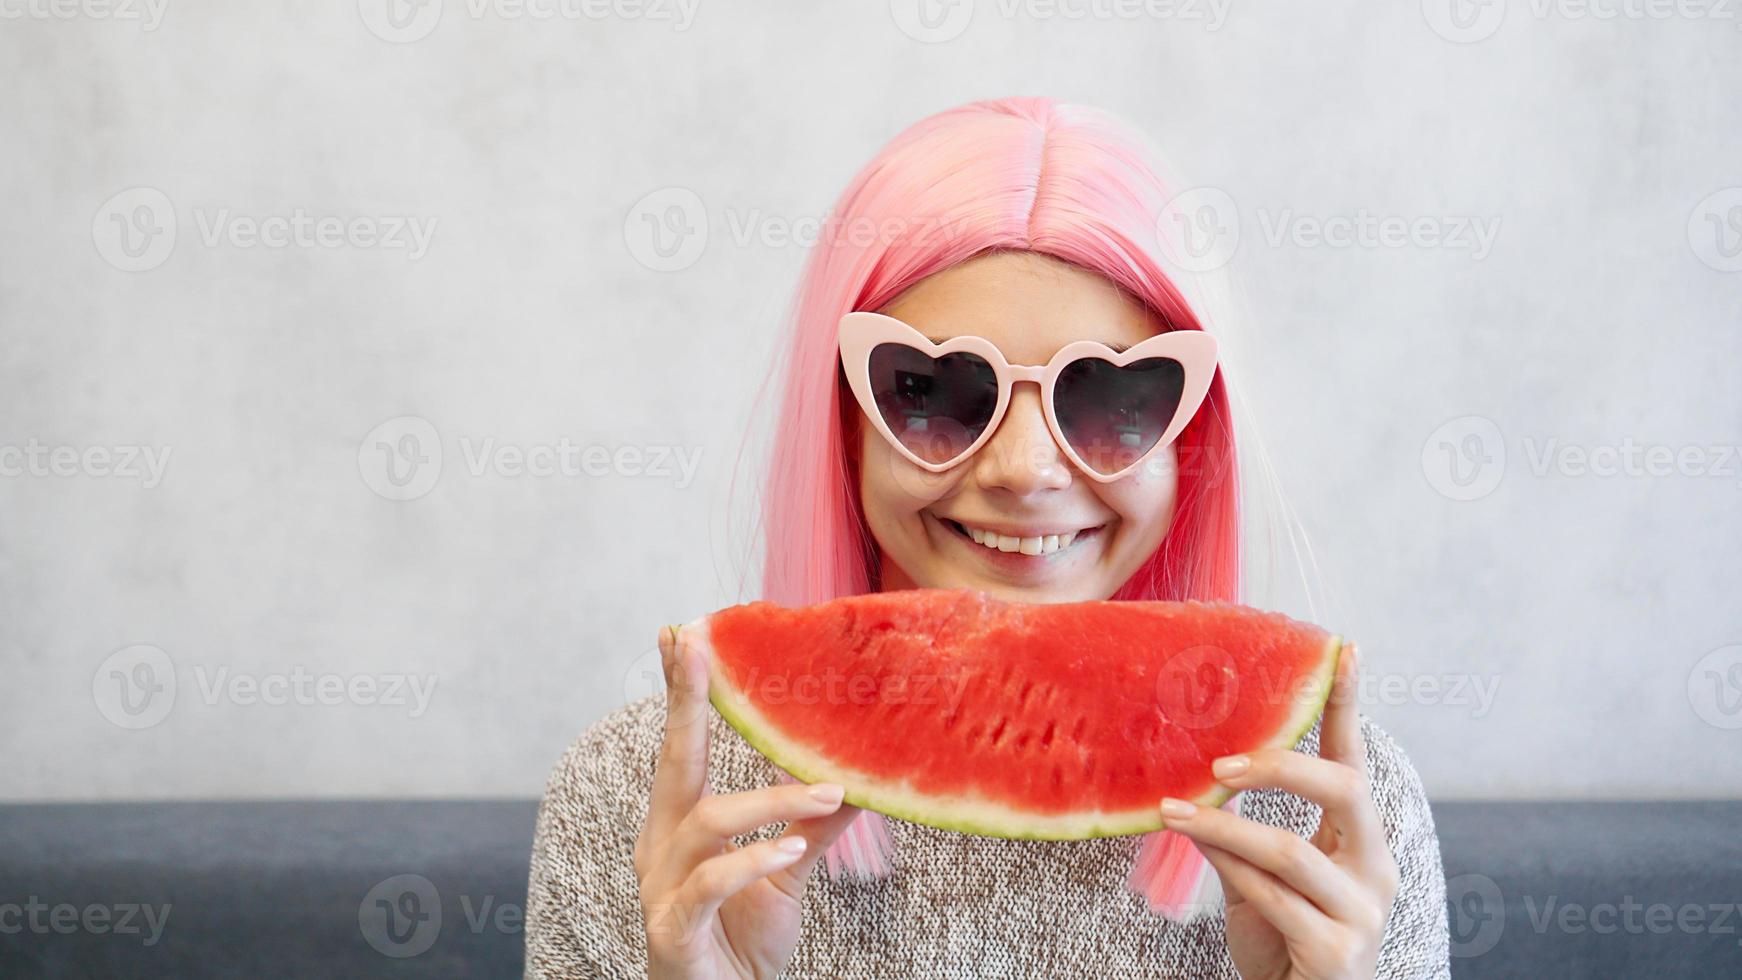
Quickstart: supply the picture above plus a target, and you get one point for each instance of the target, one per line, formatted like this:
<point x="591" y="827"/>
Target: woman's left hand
<point x="1300" y="909"/>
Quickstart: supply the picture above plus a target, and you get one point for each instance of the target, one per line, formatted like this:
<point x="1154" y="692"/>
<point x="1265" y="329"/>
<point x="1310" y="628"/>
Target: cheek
<point x="1145" y="500"/>
<point x="890" y="487"/>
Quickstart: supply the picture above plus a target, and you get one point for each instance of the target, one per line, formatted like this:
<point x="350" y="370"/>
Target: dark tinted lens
<point x="937" y="407"/>
<point x="1112" y="415"/>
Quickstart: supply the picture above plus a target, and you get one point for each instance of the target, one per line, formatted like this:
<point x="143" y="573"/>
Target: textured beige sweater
<point x="956" y="905"/>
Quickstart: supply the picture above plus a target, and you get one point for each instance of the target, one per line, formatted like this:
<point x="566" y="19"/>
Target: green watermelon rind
<point x="1011" y="823"/>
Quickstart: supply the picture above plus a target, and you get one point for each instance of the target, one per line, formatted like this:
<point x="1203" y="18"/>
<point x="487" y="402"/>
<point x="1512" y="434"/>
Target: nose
<point x="1021" y="456"/>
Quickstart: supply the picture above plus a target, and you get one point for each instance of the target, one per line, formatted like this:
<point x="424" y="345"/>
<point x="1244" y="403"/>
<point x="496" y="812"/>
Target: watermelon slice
<point x="954" y="709"/>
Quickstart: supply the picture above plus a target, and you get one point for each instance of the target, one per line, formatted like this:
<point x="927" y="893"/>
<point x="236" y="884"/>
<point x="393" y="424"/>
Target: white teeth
<point x="1044" y="544"/>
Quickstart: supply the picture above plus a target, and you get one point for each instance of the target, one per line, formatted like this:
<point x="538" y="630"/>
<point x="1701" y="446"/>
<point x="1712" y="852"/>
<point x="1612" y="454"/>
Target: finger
<point x="1340" y="731"/>
<point x="1340" y="790"/>
<point x="719" y="878"/>
<point x="1282" y="907"/>
<point x="820" y="834"/>
<point x="681" y="773"/>
<point x="1286" y="856"/>
<point x="714" y="820"/>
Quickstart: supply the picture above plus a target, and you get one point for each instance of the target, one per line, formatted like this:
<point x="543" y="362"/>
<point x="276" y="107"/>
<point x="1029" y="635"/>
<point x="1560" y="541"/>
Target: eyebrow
<point x="1117" y="348"/>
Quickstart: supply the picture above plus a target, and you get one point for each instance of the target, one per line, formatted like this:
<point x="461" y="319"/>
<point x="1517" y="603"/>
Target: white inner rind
<point x="970" y="814"/>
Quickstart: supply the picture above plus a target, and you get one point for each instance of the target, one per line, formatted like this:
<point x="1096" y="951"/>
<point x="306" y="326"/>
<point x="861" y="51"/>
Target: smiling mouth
<point x="1035" y="546"/>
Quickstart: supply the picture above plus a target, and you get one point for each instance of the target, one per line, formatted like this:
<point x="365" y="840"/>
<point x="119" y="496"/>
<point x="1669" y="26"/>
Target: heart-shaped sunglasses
<point x="1109" y="411"/>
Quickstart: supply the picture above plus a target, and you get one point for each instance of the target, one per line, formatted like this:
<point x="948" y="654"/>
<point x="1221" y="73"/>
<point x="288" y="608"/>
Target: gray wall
<point x="1434" y="407"/>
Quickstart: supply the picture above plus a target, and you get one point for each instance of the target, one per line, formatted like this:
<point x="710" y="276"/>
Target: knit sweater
<point x="955" y="905"/>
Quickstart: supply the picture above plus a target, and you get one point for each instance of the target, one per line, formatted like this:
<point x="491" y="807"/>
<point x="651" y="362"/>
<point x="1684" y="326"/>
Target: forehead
<point x="1027" y="304"/>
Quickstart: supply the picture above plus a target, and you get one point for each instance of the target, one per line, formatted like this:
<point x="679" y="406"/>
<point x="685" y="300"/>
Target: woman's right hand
<point x="712" y="909"/>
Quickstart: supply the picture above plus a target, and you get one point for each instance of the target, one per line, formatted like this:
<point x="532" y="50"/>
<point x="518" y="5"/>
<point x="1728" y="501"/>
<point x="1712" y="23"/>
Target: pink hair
<point x="1029" y="174"/>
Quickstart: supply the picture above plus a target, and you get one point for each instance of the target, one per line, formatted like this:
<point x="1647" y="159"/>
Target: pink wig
<point x="1025" y="174"/>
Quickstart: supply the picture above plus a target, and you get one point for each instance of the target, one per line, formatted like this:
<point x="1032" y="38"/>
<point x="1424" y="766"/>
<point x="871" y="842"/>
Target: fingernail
<point x="790" y="845"/>
<point x="1229" y="767"/>
<point x="827" y="792"/>
<point x="1174" y="809"/>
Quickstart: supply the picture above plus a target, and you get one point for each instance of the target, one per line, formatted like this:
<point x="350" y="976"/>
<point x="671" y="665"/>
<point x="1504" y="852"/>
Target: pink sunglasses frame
<point x="860" y="333"/>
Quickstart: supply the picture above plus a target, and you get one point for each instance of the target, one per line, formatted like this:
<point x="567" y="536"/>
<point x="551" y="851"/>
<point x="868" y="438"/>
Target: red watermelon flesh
<point x="958" y="710"/>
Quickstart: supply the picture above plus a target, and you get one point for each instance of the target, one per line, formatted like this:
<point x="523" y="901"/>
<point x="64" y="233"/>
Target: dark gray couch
<point x="435" y="889"/>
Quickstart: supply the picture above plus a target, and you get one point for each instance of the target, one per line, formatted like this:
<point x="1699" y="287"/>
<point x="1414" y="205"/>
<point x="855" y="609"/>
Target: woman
<point x="1033" y="225"/>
